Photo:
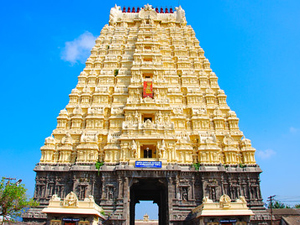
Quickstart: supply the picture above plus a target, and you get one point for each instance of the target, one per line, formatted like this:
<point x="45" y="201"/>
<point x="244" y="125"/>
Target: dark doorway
<point x="149" y="189"/>
<point x="147" y="153"/>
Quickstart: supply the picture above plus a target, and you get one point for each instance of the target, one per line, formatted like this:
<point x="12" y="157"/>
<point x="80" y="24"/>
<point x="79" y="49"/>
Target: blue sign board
<point x="148" y="164"/>
<point x="228" y="221"/>
<point x="71" y="219"/>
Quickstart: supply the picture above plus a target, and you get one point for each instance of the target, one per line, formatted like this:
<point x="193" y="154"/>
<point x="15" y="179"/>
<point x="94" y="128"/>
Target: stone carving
<point x="177" y="111"/>
<point x="147" y="13"/>
<point x="228" y="140"/>
<point x="110" y="193"/>
<point x="205" y="138"/>
<point x="67" y="139"/>
<point x="246" y="141"/>
<point x="49" y="140"/>
<point x="55" y="197"/>
<point x="117" y="111"/>
<point x="148" y="7"/>
<point x="134" y="96"/>
<point x="115" y="14"/>
<point x="148" y="124"/>
<point x="134" y="149"/>
<point x="162" y="149"/>
<point x="242" y="199"/>
<point x="71" y="200"/>
<point x="218" y="112"/>
<point x="206" y="200"/>
<point x="91" y="137"/>
<point x="77" y="110"/>
<point x="225" y="201"/>
<point x="184" y="195"/>
<point x="180" y="15"/>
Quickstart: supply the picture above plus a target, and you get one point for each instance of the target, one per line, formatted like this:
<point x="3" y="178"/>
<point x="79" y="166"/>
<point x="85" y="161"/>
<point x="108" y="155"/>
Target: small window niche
<point x="148" y="117"/>
<point x="148" y="76"/>
<point x="147" y="59"/>
<point x="148" y="151"/>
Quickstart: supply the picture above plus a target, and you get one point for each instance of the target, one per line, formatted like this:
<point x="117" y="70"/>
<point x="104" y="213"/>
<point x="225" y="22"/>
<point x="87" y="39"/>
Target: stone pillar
<point x="193" y="188"/>
<point x="120" y="187"/>
<point x="103" y="187"/>
<point x="170" y="193"/>
<point x="126" y="197"/>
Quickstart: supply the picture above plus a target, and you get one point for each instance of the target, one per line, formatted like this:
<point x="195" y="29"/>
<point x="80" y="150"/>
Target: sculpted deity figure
<point x="115" y="14"/>
<point x="162" y="149"/>
<point x="188" y="124"/>
<point x="55" y="156"/>
<point x="129" y="119"/>
<point x="225" y="201"/>
<point x="134" y="148"/>
<point x="137" y="117"/>
<point x="217" y="112"/>
<point x="185" y="193"/>
<point x="159" y="118"/>
<point x="208" y="139"/>
<point x="157" y="93"/>
<point x="228" y="140"/>
<point x="77" y="110"/>
<point x="71" y="200"/>
<point x="167" y="119"/>
<point x="148" y="124"/>
<point x="180" y="15"/>
<point x="110" y="194"/>
<point x="67" y="139"/>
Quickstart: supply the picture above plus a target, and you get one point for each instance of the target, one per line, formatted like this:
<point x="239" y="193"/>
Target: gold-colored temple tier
<point x="147" y="91"/>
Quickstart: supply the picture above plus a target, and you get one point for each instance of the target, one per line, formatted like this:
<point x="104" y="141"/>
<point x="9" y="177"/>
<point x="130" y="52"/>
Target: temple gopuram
<point x="147" y="121"/>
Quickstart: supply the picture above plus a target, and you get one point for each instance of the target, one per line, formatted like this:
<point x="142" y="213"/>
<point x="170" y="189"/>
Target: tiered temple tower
<point x="148" y="98"/>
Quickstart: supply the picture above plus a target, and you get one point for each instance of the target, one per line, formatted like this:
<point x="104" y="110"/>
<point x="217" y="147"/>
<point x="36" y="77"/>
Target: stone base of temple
<point x="176" y="189"/>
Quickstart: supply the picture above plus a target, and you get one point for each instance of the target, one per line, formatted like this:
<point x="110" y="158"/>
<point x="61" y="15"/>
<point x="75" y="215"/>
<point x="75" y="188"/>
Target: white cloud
<point x="293" y="130"/>
<point x="79" y="49"/>
<point x="266" y="154"/>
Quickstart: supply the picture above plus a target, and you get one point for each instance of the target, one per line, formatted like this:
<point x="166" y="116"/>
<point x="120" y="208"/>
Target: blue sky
<point x="253" y="47"/>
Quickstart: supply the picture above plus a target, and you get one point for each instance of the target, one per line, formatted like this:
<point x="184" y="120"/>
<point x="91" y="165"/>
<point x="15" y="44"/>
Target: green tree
<point x="297" y="206"/>
<point x="279" y="205"/>
<point x="13" y="200"/>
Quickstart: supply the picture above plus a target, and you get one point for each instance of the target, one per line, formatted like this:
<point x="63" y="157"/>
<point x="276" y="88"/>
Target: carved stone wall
<point x="185" y="187"/>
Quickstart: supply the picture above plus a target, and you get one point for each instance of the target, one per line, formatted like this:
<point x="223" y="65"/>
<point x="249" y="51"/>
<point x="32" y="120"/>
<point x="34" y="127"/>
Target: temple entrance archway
<point x="150" y="189"/>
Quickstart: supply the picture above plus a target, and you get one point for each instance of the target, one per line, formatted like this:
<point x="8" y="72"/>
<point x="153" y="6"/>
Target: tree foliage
<point x="297" y="206"/>
<point x="279" y="205"/>
<point x="13" y="200"/>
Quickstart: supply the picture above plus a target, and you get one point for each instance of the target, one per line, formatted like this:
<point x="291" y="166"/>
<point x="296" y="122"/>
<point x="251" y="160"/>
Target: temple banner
<point x="147" y="91"/>
<point x="148" y="164"/>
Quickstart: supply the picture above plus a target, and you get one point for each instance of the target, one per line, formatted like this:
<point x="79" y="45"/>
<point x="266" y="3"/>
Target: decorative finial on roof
<point x="148" y="7"/>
